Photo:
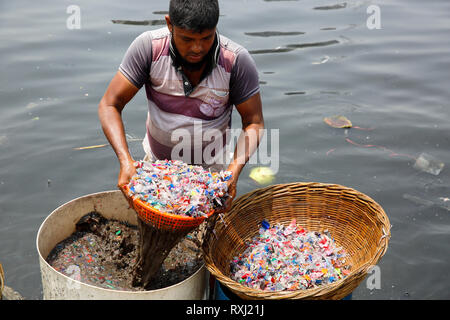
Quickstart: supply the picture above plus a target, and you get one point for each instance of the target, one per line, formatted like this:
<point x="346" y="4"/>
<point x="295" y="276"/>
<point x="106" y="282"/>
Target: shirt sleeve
<point x="135" y="65"/>
<point x="244" y="81"/>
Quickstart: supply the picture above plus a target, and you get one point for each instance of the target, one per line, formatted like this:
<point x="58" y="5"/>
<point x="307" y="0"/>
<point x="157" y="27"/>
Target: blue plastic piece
<point x="265" y="224"/>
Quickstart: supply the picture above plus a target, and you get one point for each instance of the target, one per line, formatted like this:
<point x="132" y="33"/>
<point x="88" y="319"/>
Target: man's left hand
<point x="231" y="194"/>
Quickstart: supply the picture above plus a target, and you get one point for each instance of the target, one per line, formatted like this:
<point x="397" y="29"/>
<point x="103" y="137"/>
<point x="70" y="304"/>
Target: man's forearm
<point x="112" y="125"/>
<point x="246" y="146"/>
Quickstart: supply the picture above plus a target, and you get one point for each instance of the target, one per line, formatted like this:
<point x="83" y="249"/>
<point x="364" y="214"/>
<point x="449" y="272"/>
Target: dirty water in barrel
<point x="105" y="252"/>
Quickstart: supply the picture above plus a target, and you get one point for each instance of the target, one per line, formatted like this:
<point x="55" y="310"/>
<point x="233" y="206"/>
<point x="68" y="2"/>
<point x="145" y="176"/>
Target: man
<point x="192" y="76"/>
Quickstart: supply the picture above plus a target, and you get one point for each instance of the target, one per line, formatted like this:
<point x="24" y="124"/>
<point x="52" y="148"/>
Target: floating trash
<point x="429" y="164"/>
<point x="128" y="137"/>
<point x="341" y="122"/>
<point x="262" y="175"/>
<point x="338" y="122"/>
<point x="92" y="147"/>
<point x="322" y="61"/>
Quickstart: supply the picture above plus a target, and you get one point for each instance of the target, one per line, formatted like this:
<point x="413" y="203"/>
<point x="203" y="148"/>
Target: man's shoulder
<point x="159" y="33"/>
<point x="230" y="45"/>
<point x="154" y="34"/>
<point x="148" y="41"/>
<point x="234" y="56"/>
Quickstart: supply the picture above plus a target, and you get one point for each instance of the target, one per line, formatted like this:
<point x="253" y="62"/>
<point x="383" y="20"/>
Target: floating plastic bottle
<point x="429" y="164"/>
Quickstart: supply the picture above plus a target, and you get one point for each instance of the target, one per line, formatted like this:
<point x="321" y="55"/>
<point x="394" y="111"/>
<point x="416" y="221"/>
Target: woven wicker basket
<point x="355" y="221"/>
<point x="2" y="281"/>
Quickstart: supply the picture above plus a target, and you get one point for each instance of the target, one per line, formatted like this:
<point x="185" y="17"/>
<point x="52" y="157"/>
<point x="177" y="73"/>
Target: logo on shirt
<point x="215" y="103"/>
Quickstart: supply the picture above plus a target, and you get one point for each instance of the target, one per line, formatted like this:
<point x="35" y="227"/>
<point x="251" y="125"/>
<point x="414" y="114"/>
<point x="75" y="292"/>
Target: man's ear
<point x="169" y="24"/>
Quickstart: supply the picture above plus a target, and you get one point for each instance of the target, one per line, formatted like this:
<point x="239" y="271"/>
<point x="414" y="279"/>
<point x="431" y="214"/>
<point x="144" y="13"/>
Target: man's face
<point x="192" y="46"/>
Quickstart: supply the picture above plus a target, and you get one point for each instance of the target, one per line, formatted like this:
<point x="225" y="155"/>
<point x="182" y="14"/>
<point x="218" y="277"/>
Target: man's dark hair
<point x="194" y="15"/>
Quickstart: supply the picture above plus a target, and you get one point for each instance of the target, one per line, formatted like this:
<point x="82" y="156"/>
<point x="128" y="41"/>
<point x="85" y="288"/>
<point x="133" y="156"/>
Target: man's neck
<point x="194" y="76"/>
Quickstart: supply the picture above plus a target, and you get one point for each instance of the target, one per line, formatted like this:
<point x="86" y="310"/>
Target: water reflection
<point x="312" y="44"/>
<point x="275" y="50"/>
<point x="291" y="47"/>
<point x="332" y="7"/>
<point x="141" y="23"/>
<point x="273" y="33"/>
<point x="291" y="93"/>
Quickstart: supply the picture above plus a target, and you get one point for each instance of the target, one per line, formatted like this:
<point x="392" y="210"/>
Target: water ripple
<point x="141" y="23"/>
<point x="291" y="47"/>
<point x="332" y="7"/>
<point x="273" y="33"/>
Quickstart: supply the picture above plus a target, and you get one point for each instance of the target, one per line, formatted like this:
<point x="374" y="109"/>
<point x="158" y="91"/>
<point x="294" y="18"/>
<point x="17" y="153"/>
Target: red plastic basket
<point x="164" y="220"/>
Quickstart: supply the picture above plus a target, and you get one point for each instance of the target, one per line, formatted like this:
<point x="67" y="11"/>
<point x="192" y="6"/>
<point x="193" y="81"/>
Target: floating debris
<point x="262" y="175"/>
<point x="338" y="122"/>
<point x="92" y="147"/>
<point x="128" y="137"/>
<point x="323" y="60"/>
<point x="429" y="164"/>
<point x="341" y="122"/>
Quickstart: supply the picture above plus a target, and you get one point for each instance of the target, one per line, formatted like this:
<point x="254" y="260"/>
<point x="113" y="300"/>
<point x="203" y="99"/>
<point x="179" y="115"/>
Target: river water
<point x="315" y="59"/>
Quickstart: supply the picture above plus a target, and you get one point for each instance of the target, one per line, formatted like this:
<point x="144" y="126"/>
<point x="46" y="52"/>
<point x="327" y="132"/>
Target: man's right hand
<point x="119" y="92"/>
<point x="127" y="171"/>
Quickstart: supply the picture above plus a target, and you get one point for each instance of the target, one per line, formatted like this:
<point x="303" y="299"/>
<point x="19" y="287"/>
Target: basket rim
<point x="355" y="276"/>
<point x="2" y="280"/>
<point x="172" y="216"/>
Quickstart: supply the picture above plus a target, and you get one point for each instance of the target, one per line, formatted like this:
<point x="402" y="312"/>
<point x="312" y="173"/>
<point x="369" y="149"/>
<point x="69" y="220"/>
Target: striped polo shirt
<point x="178" y="113"/>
